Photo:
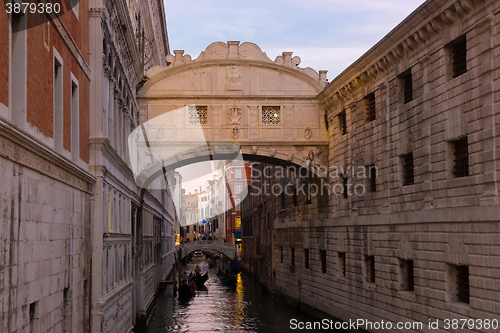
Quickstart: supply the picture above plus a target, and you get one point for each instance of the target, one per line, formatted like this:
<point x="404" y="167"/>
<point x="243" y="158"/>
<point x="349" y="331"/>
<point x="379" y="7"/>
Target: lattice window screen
<point x="198" y="115"/>
<point x="271" y="115"/>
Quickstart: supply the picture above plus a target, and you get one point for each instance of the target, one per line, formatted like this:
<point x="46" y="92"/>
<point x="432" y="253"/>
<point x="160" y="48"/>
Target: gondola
<point x="200" y="280"/>
<point x="228" y="282"/>
<point x="185" y="291"/>
<point x="212" y="264"/>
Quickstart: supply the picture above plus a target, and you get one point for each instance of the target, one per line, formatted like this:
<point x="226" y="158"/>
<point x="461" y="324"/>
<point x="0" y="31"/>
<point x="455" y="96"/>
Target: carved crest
<point x="236" y="132"/>
<point x="308" y="133"/>
<point x="233" y="78"/>
<point x="235" y="114"/>
<point x="161" y="133"/>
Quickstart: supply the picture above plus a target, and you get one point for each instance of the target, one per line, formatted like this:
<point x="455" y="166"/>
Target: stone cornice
<point x="43" y="153"/>
<point x="110" y="154"/>
<point x="423" y="25"/>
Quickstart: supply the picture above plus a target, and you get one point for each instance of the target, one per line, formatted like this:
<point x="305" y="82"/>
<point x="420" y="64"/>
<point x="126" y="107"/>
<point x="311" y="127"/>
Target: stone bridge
<point x="227" y="249"/>
<point x="230" y="102"/>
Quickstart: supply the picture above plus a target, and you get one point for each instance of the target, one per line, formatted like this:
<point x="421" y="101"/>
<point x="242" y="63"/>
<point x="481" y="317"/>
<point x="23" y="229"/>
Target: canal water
<point x="221" y="309"/>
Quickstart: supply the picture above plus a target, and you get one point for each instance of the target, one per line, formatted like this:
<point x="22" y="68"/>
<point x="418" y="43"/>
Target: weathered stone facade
<point x="422" y="242"/>
<point x="133" y="234"/>
<point x="46" y="188"/>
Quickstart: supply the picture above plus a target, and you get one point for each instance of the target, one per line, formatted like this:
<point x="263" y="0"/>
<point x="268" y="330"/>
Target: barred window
<point x="459" y="54"/>
<point x="372" y="169"/>
<point x="370" y="107"/>
<point x="281" y="253"/>
<point x="342" y="122"/>
<point x="461" y="157"/>
<point x="407" y="81"/>
<point x="341" y="264"/>
<point x="370" y="268"/>
<point x="292" y="256"/>
<point x="345" y="186"/>
<point x="271" y="115"/>
<point x="198" y="115"/>
<point x="323" y="261"/>
<point x="459" y="283"/>
<point x="306" y="258"/>
<point x="407" y="274"/>
<point x="408" y="175"/>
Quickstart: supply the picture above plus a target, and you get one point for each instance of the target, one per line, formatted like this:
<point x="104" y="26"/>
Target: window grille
<point x="323" y="261"/>
<point x="306" y="258"/>
<point x="370" y="107"/>
<point x="463" y="284"/>
<point x="373" y="178"/>
<point x="407" y="86"/>
<point x="461" y="155"/>
<point x="198" y="115"/>
<point x="459" y="52"/>
<point x="370" y="268"/>
<point x="408" y="176"/>
<point x="342" y="122"/>
<point x="346" y="187"/>
<point x="292" y="256"/>
<point x="408" y="277"/>
<point x="271" y="115"/>
<point x="341" y="267"/>
<point x="281" y="253"/>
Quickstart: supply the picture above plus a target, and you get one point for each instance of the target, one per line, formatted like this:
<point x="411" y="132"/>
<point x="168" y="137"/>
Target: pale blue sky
<point x="325" y="34"/>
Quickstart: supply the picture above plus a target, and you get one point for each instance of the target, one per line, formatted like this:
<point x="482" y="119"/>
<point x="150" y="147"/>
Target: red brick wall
<point x="4" y="57"/>
<point x="40" y="78"/>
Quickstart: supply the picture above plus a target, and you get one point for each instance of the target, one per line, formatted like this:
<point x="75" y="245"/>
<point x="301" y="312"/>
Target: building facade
<point x="134" y="227"/>
<point x="411" y="229"/>
<point x="46" y="196"/>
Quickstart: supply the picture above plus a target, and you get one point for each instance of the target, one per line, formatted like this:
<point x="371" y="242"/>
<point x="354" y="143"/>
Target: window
<point x="408" y="280"/>
<point x="237" y="173"/>
<point x="281" y="254"/>
<point x="408" y="176"/>
<point x="238" y="222"/>
<point x="341" y="264"/>
<point x="459" y="55"/>
<point x="345" y="186"/>
<point x="407" y="81"/>
<point x="270" y="115"/>
<point x="75" y="120"/>
<point x="370" y="268"/>
<point x="460" y="157"/>
<point x="66" y="310"/>
<point x="198" y="115"/>
<point x="18" y="75"/>
<point x="372" y="169"/>
<point x="459" y="283"/>
<point x="370" y="106"/>
<point x="306" y="258"/>
<point x="34" y="324"/>
<point x="342" y="122"/>
<point x="237" y="188"/>
<point x="292" y="259"/>
<point x="58" y="102"/>
<point x="323" y="261"/>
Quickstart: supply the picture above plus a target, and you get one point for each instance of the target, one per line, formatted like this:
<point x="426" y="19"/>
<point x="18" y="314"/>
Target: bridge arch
<point x="230" y="101"/>
<point x="227" y="249"/>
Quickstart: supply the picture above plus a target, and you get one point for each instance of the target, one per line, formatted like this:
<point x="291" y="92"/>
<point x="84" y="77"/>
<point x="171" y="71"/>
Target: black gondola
<point x="228" y="282"/>
<point x="200" y="280"/>
<point x="185" y="291"/>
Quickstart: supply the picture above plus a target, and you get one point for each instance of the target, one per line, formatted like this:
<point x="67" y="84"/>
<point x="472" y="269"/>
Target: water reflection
<point x="216" y="308"/>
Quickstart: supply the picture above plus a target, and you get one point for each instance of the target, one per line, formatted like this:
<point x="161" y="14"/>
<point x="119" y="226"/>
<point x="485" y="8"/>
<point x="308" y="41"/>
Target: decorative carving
<point x="290" y="157"/>
<point x="272" y="152"/>
<point x="236" y="148"/>
<point x="235" y="132"/>
<point x="233" y="78"/>
<point x="160" y="133"/>
<point x="254" y="150"/>
<point x="216" y="150"/>
<point x="308" y="133"/>
<point x="235" y="114"/>
<point x="178" y="157"/>
<point x="197" y="152"/>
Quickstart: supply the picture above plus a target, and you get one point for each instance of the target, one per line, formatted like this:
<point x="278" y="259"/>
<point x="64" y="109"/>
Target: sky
<point x="325" y="34"/>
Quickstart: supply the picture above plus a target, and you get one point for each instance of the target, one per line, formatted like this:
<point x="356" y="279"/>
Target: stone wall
<point x="442" y="223"/>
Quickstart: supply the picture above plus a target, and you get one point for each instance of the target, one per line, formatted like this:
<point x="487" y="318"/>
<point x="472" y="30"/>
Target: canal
<point x="221" y="309"/>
